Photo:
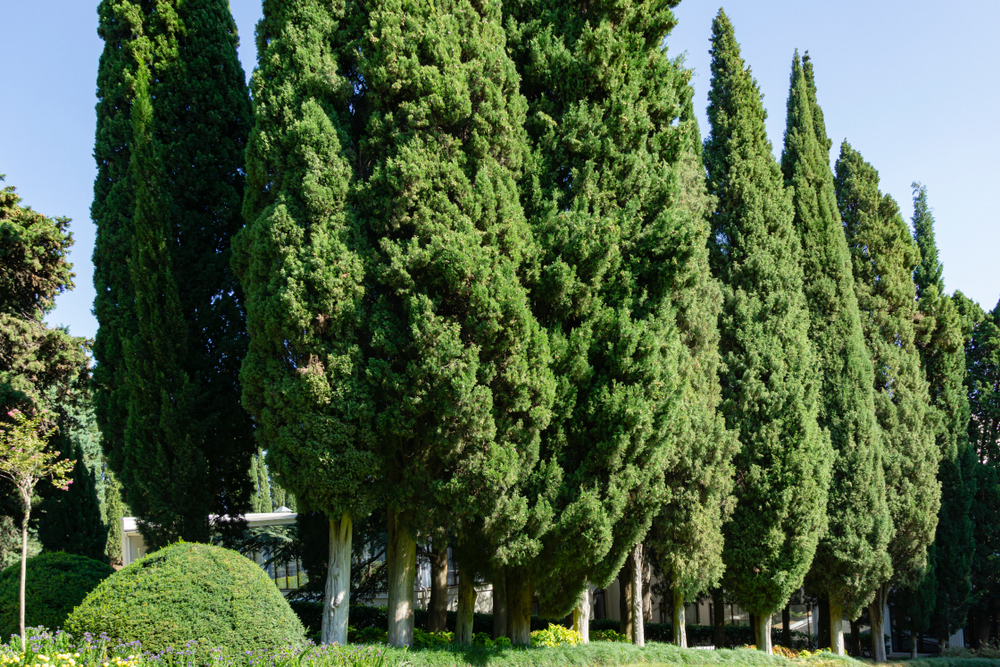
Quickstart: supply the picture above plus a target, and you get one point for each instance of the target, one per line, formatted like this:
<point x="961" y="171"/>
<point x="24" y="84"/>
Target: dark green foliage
<point x="770" y="384"/>
<point x="187" y="592"/>
<point x="687" y="534"/>
<point x="912" y="606"/>
<point x="982" y="353"/>
<point x="172" y="93"/>
<point x="602" y="194"/>
<point x="884" y="256"/>
<point x="56" y="583"/>
<point x="114" y="510"/>
<point x="260" y="501"/>
<point x="70" y="520"/>
<point x="298" y="263"/>
<point x="852" y="558"/>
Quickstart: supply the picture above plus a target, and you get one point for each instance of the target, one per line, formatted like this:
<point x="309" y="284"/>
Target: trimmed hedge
<point x="190" y="593"/>
<point x="56" y="582"/>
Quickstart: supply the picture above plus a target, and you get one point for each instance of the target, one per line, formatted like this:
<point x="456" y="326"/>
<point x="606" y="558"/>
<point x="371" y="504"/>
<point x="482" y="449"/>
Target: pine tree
<point x="852" y="559"/>
<point x="687" y="534"/>
<point x="456" y="365"/>
<point x="942" y="356"/>
<point x="114" y="510"/>
<point x="298" y="262"/>
<point x="770" y="384"/>
<point x="883" y="259"/>
<point x="166" y="208"/>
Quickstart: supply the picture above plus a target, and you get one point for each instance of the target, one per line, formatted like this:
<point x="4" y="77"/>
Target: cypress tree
<point x="114" y="510"/>
<point x="298" y="262"/>
<point x="261" y="499"/>
<point x="982" y="353"/>
<point x="456" y="365"/>
<point x="602" y="197"/>
<point x="852" y="558"/>
<point x="166" y="208"/>
<point x="770" y="384"/>
<point x="942" y="356"/>
<point x="687" y="534"/>
<point x="884" y="256"/>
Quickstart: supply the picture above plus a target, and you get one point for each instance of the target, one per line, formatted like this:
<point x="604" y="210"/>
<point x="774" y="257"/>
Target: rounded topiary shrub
<point x="190" y="593"/>
<point x="56" y="582"/>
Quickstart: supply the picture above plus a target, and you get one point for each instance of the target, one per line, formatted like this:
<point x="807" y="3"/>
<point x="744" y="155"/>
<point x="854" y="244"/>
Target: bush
<point x="56" y="583"/>
<point x="555" y="635"/>
<point x="187" y="592"/>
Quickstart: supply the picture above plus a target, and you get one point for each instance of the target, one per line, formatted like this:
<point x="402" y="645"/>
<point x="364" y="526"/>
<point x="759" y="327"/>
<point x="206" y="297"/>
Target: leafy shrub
<point x="608" y="636"/>
<point x="556" y="635"/>
<point x="187" y="592"/>
<point x="56" y="583"/>
<point x="369" y="635"/>
<point x="424" y="639"/>
<point x="990" y="650"/>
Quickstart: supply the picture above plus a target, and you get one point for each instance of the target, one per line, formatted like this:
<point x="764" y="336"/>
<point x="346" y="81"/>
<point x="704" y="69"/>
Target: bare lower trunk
<point x="855" y="639"/>
<point x="519" y="596"/>
<point x="914" y="643"/>
<point x="679" y="624"/>
<point x="581" y="615"/>
<point x="640" y="634"/>
<point x="499" y="606"/>
<point x="719" y="604"/>
<point x="647" y="591"/>
<point x="823" y="624"/>
<point x="764" y="633"/>
<point x="401" y="560"/>
<point x="876" y="613"/>
<point x="626" y="586"/>
<point x="24" y="566"/>
<point x="466" y="607"/>
<point x="786" y="627"/>
<point x="437" y="612"/>
<point x="836" y="626"/>
<point x="337" y="593"/>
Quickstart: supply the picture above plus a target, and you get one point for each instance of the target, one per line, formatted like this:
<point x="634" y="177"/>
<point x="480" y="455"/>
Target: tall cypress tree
<point x="770" y="384"/>
<point x="884" y="257"/>
<point x="687" y="534"/>
<point x="166" y="208"/>
<point x="852" y="558"/>
<point x="298" y="262"/>
<point x="456" y="363"/>
<point x="260" y="501"/>
<point x="114" y="510"/>
<point x="602" y="197"/>
<point x="942" y="356"/>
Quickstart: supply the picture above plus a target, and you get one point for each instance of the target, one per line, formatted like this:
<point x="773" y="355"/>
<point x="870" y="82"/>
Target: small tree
<point x="24" y="461"/>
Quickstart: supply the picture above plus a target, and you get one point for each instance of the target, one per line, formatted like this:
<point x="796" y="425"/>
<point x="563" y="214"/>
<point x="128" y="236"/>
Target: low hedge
<point x="198" y="593"/>
<point x="56" y="582"/>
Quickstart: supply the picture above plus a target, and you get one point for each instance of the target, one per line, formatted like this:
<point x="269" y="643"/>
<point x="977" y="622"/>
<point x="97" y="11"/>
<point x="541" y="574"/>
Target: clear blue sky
<point x="912" y="85"/>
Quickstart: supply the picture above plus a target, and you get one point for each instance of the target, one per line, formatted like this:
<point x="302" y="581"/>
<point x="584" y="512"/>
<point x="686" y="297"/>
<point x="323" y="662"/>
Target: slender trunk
<point x="499" y="606"/>
<point x="836" y="625"/>
<point x="581" y="615"/>
<point x="437" y="613"/>
<point x="24" y="562"/>
<point x="876" y="613"/>
<point x="855" y="639"/>
<point x="764" y="633"/>
<point x="679" y="626"/>
<point x="786" y="626"/>
<point x="466" y="607"/>
<point x="914" y="642"/>
<point x="647" y="591"/>
<point x="337" y="593"/>
<point x="752" y="620"/>
<point x="401" y="560"/>
<point x="719" y="633"/>
<point x="626" y="582"/>
<point x="640" y="635"/>
<point x="520" y="593"/>
<point x="823" y="624"/>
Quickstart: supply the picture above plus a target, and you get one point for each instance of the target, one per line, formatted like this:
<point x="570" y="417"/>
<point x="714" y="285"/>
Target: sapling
<point x="24" y="461"/>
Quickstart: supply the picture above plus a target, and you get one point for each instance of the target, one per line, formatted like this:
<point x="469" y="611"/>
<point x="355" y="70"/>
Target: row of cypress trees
<point x="492" y="282"/>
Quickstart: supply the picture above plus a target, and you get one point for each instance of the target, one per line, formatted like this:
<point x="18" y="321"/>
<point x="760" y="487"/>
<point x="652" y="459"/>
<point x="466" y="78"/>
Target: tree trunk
<point x="764" y="633"/>
<point x="915" y="640"/>
<point x="519" y="596"/>
<point x="836" y="626"/>
<point x="581" y="615"/>
<point x="337" y="592"/>
<point x="437" y="611"/>
<point x="752" y="620"/>
<point x="466" y="607"/>
<point x="401" y="561"/>
<point x="24" y="563"/>
<point x="626" y="582"/>
<point x="499" y="606"/>
<point x="855" y="639"/>
<point x="719" y="633"/>
<point x="786" y="626"/>
<point x="876" y="612"/>
<point x="640" y="635"/>
<point x="647" y="591"/>
<point x="679" y="626"/>
<point x="823" y="623"/>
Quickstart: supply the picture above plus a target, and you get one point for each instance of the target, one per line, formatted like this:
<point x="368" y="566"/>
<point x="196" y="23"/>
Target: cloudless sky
<point x="911" y="85"/>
